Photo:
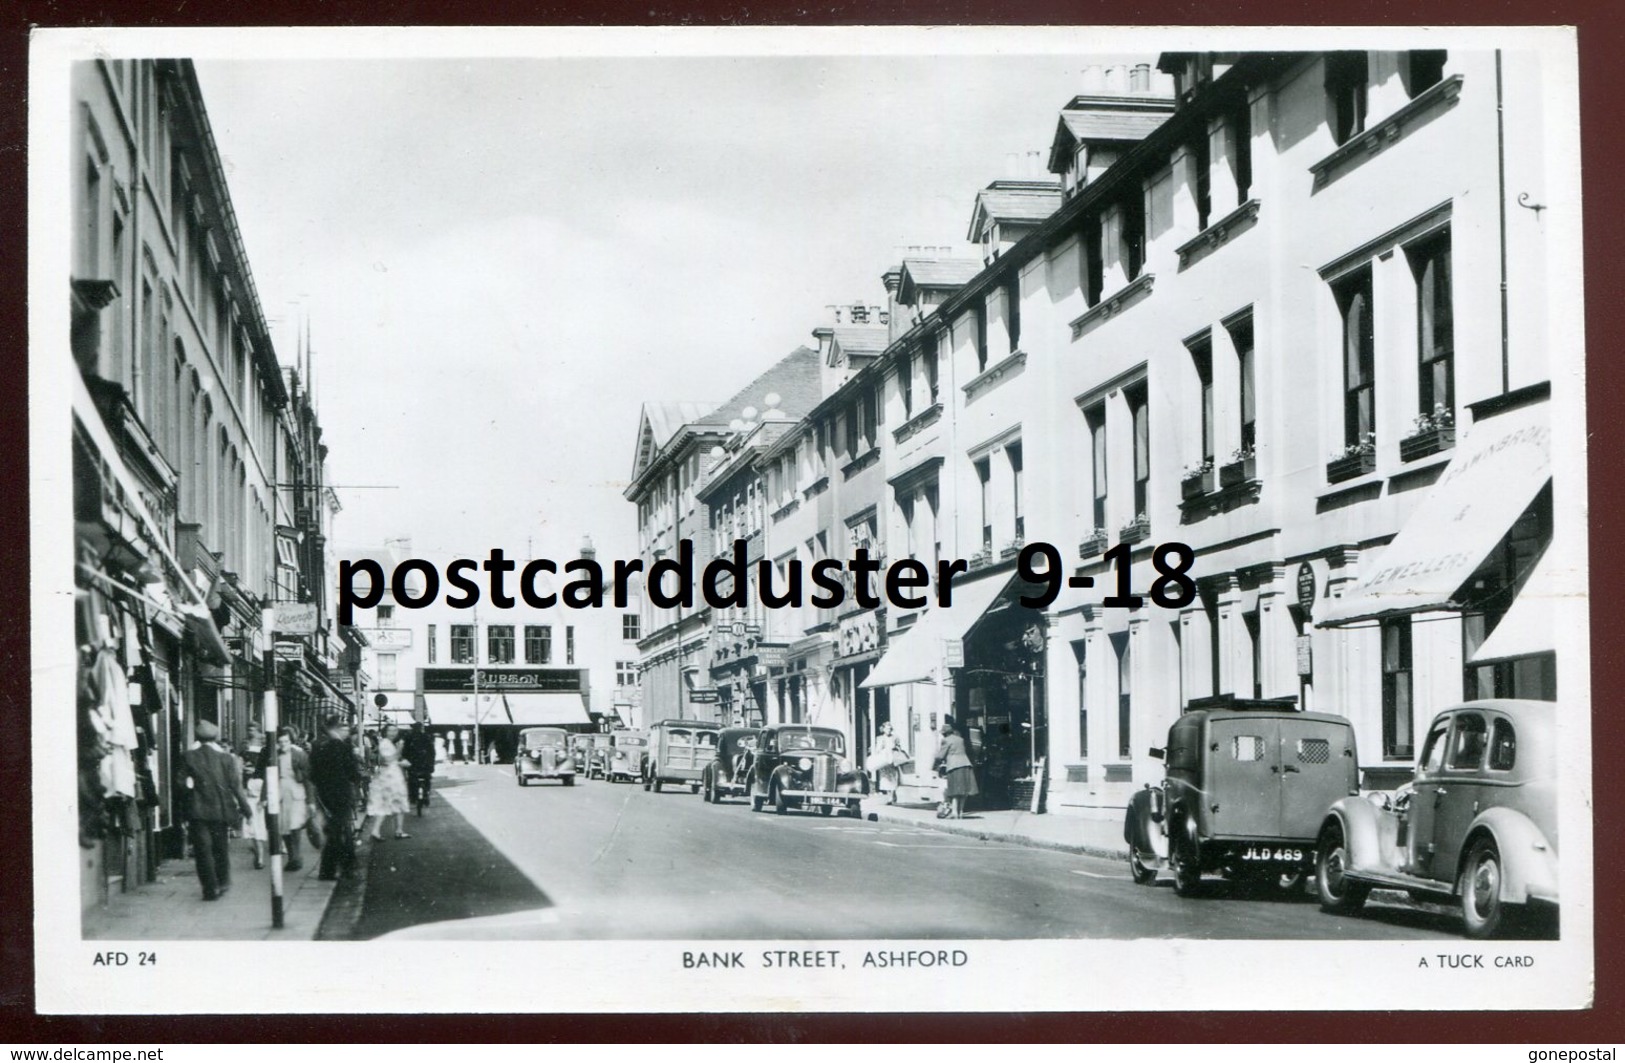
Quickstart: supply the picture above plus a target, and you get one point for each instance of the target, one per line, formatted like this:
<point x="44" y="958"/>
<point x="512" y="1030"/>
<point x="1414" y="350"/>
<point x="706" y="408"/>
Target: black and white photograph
<point x="862" y="519"/>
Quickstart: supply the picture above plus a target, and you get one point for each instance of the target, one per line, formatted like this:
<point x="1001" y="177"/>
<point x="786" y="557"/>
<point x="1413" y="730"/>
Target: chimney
<point x="1139" y="79"/>
<point x="892" y="279"/>
<point x="587" y="550"/>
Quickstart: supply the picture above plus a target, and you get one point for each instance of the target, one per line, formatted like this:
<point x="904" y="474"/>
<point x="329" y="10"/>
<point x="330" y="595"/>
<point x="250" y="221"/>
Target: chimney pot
<point x="1140" y="78"/>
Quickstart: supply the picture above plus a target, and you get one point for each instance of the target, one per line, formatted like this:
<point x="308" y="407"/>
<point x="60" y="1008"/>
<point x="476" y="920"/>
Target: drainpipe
<point x="1501" y="176"/>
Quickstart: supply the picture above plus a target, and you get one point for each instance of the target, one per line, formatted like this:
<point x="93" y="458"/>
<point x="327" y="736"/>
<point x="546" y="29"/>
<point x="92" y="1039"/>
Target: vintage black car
<point x="728" y="775"/>
<point x="800" y="766"/>
<point x="543" y="753"/>
<point x="1247" y="784"/>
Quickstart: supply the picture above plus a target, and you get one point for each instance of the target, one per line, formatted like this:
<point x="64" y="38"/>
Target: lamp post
<point x="477" y="746"/>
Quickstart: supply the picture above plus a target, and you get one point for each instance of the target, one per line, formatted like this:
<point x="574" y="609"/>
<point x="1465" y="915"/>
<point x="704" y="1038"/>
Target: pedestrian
<point x="293" y="773"/>
<point x="216" y="802"/>
<point x="334" y="774"/>
<point x="887" y="760"/>
<point x="250" y="763"/>
<point x="439" y="748"/>
<point x="953" y="761"/>
<point x="387" y="795"/>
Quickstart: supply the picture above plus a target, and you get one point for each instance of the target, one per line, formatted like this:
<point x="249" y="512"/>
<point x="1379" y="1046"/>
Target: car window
<point x="1433" y="749"/>
<point x="1314" y="750"/>
<point x="1247" y="747"/>
<point x="1503" y="746"/>
<point x="679" y="738"/>
<point x="1467" y="742"/>
<point x="706" y="738"/>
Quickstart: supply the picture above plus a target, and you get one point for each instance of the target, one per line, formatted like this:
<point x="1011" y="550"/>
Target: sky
<point x="500" y="260"/>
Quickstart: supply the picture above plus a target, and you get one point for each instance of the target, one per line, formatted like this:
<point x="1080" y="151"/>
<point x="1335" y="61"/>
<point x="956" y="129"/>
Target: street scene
<point x="707" y="498"/>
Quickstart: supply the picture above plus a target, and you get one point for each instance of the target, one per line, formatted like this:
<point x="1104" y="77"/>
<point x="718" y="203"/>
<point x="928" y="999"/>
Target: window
<point x="1012" y="311"/>
<point x="1013" y="452"/>
<point x="1435" y="331"/>
<point x="499" y="644"/>
<point x="1396" y="689"/>
<point x="1421" y="70"/>
<point x="1133" y="240"/>
<point x="539" y="644"/>
<point x="386" y="671"/>
<point x="1241" y="159"/>
<point x="1095" y="418"/>
<point x="905" y="385"/>
<point x="1347" y="89"/>
<point x="462" y="644"/>
<point x="984" y="474"/>
<point x="1241" y="337"/>
<point x="1094" y="273"/>
<point x="386" y="614"/>
<point x="1080" y="651"/>
<point x="1125" y="715"/>
<point x="1433" y="749"/>
<point x="1246" y="748"/>
<point x="431" y="644"/>
<point x="1314" y="750"/>
<point x="569" y="645"/>
<point x="1202" y="153"/>
<point x="1140" y="412"/>
<point x="1202" y="358"/>
<point x="1359" y="359"/>
<point x="1467" y="742"/>
<point x="853" y="444"/>
<point x="929" y="355"/>
<point x="981" y="335"/>
<point x="1503" y="746"/>
<point x="626" y="673"/>
<point x="629" y="627"/>
<point x="1251" y="623"/>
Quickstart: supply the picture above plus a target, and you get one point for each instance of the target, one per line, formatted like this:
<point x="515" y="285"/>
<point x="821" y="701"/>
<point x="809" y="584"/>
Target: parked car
<point x="543" y="753"/>
<point x="728" y="774"/>
<point x="624" y="759"/>
<point x="597" y="753"/>
<point x="1246" y="785"/>
<point x="1477" y="826"/>
<point x="678" y="752"/>
<point x="580" y="746"/>
<point x="799" y="766"/>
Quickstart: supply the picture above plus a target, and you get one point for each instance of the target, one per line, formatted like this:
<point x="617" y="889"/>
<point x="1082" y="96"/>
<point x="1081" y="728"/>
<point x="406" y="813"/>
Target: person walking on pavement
<point x="387" y="796"/>
<point x="418" y="754"/>
<point x="217" y="801"/>
<point x="250" y="764"/>
<point x="293" y="772"/>
<point x="954" y="761"/>
<point x="334" y="774"/>
<point x="887" y="760"/>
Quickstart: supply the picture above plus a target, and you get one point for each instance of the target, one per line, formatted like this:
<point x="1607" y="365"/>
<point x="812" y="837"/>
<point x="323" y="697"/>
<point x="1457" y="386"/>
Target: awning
<point x="915" y="655"/>
<point x="523" y="710"/>
<point x="1526" y="628"/>
<point x="1498" y="469"/>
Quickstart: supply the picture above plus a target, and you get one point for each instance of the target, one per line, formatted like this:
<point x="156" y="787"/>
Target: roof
<point x="1031" y="201"/>
<point x="1105" y="119"/>
<point x="665" y="418"/>
<point x="861" y="339"/>
<point x="939" y="272"/>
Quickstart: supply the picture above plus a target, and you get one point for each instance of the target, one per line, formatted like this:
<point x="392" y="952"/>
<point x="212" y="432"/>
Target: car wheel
<point x="1182" y="857"/>
<point x="521" y="780"/>
<point x="693" y="787"/>
<point x="781" y="804"/>
<point x="646" y="782"/>
<point x="824" y="810"/>
<point x="854" y="809"/>
<point x="656" y="783"/>
<point x="710" y="794"/>
<point x="1481" y="906"/>
<point x="755" y="800"/>
<point x="1337" y="892"/>
<point x="569" y="780"/>
<point x="1142" y="866"/>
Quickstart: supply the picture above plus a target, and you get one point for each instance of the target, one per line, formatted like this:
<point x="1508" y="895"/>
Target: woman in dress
<point x="887" y="760"/>
<point x="293" y="769"/>
<point x="954" y="762"/>
<point x="387" y="794"/>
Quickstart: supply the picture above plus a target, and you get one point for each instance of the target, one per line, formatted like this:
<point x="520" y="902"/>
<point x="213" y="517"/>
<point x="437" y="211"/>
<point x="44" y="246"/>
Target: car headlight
<point x="805" y="764"/>
<point x="846" y="765"/>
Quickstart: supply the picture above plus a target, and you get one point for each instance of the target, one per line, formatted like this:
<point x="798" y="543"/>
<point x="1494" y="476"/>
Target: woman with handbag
<point x="293" y="771"/>
<point x="886" y="762"/>
<point x="954" y="762"/>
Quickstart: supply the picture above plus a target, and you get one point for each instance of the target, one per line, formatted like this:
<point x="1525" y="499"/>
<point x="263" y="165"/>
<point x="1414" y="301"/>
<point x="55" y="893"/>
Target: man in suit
<point x="417" y="750"/>
<point x="217" y="802"/>
<point x="334" y="774"/>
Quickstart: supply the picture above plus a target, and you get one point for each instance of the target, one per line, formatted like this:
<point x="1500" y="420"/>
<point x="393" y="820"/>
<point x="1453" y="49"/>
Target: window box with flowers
<point x="1197" y="481"/>
<point x="1012" y="548"/>
<point x="1136" y="530"/>
<point x="1093" y="544"/>
<point x="981" y="559"/>
<point x="1242" y="466"/>
<point x="1356" y="459"/>
<point x="1435" y="431"/>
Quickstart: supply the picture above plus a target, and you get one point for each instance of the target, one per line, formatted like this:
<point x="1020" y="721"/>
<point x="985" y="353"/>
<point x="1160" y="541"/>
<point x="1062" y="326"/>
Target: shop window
<point x="1348" y="88"/>
<point x="1396" y="689"/>
<point x="499" y="644"/>
<point x="1503" y="746"/>
<point x="462" y="644"/>
<point x="1430" y="264"/>
<point x="1359" y="359"/>
<point x="539" y="643"/>
<point x="1421" y="70"/>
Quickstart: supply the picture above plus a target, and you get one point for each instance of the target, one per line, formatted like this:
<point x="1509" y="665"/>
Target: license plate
<point x="1266" y="854"/>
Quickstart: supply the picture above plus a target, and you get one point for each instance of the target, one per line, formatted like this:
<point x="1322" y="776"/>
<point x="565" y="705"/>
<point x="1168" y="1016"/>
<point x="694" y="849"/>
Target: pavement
<point x="173" y="908"/>
<point x="1067" y="834"/>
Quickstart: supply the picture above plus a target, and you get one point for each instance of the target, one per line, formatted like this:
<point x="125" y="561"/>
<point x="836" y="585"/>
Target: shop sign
<point x="389" y="639"/>
<point x="773" y="656"/>
<point x="1306" y="657"/>
<point x="953" y="653"/>
<point x="703" y="695"/>
<point x="503" y="680"/>
<point x="290" y="651"/>
<point x="294" y="618"/>
<point x="345" y="684"/>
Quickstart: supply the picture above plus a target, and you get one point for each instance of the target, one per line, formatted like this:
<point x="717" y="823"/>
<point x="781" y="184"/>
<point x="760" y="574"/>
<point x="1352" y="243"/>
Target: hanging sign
<point x="294" y="618"/>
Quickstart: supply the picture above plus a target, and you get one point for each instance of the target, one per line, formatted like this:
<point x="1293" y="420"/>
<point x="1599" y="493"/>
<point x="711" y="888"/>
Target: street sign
<point x="346" y="684"/>
<point x="380" y="700"/>
<point x="953" y="653"/>
<point x="294" y="618"/>
<point x="1306" y="587"/>
<point x="1306" y="657"/>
